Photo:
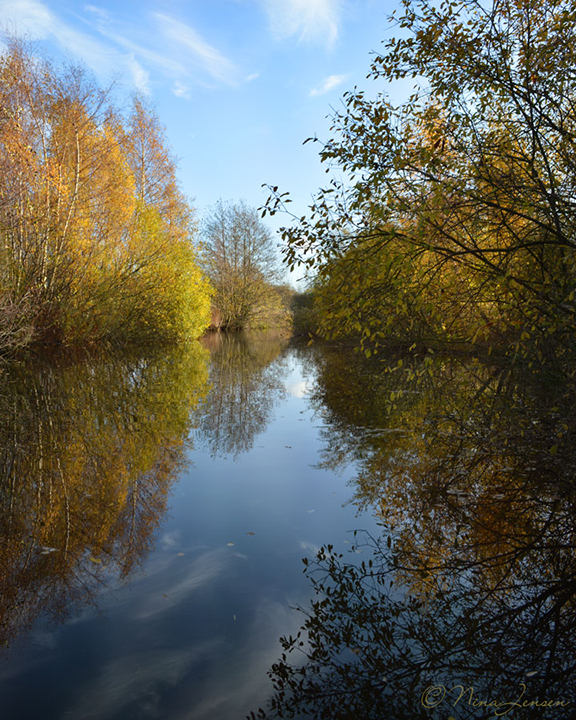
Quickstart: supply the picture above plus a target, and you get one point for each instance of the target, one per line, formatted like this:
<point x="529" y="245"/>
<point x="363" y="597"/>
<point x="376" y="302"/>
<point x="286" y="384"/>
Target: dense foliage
<point x="455" y="221"/>
<point x="95" y="233"/>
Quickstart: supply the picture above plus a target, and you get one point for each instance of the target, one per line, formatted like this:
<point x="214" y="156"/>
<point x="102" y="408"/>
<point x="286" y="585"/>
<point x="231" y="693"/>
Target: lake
<point x="157" y="509"/>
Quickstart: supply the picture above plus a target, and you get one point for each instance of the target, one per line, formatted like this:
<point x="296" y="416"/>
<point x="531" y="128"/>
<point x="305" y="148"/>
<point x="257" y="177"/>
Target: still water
<point x="156" y="511"/>
<point x="155" y="515"/>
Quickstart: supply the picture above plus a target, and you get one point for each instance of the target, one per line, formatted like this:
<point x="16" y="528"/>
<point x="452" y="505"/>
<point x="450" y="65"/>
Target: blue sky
<point x="239" y="84"/>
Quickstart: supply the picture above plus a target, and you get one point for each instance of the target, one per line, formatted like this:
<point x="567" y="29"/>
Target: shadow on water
<point x="89" y="452"/>
<point x="464" y="606"/>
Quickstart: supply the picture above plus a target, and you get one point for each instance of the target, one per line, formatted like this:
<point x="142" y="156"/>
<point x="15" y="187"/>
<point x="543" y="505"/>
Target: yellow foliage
<point x="94" y="226"/>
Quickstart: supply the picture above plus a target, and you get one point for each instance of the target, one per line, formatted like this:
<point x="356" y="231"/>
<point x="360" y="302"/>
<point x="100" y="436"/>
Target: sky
<point x="238" y="84"/>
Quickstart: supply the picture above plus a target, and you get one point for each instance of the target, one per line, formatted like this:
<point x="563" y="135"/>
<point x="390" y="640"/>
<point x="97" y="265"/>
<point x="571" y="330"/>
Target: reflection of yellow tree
<point x="245" y="384"/>
<point x="470" y="471"/>
<point x="89" y="453"/>
<point x="465" y="464"/>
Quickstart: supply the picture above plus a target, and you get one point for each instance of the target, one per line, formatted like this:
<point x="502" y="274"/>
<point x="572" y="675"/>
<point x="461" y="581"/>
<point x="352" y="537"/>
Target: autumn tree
<point x="240" y="259"/>
<point x="459" y="202"/>
<point x="97" y="238"/>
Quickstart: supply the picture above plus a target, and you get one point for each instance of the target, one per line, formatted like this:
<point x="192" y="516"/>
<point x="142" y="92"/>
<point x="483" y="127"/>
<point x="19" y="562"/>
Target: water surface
<point x="156" y="511"/>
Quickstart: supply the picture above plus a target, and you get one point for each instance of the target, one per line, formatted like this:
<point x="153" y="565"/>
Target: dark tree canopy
<point x="472" y="580"/>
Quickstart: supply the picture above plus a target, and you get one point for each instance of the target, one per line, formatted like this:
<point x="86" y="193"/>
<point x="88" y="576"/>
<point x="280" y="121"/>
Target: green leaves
<point x="457" y="222"/>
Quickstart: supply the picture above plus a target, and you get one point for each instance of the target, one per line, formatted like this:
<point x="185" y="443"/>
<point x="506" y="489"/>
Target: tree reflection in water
<point x="245" y="384"/>
<point x="472" y="582"/>
<point x="88" y="454"/>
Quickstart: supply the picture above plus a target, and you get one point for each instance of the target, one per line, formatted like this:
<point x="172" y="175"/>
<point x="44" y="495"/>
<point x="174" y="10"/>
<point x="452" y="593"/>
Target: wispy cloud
<point x="331" y="82"/>
<point x="214" y="678"/>
<point x="160" y="61"/>
<point x="199" y="51"/>
<point x="27" y="17"/>
<point x="146" y="52"/>
<point x="202" y="571"/>
<point x="309" y="547"/>
<point x="234" y="684"/>
<point x="98" y="11"/>
<point x="170" y="540"/>
<point x="311" y="20"/>
<point x="140" y="76"/>
<point x="34" y="20"/>
<point x="132" y="680"/>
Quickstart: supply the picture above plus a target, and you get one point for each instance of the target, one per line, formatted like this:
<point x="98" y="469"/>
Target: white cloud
<point x="140" y="77"/>
<point x="309" y="547"/>
<point x="134" y="678"/>
<point x="310" y="20"/>
<point x="331" y="82"/>
<point x="233" y="677"/>
<point x="160" y="60"/>
<point x="108" y="51"/>
<point x="298" y="389"/>
<point x="201" y="52"/>
<point x="239" y="682"/>
<point x="202" y="571"/>
<point x="34" y="20"/>
<point x="170" y="540"/>
<point x="181" y="90"/>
